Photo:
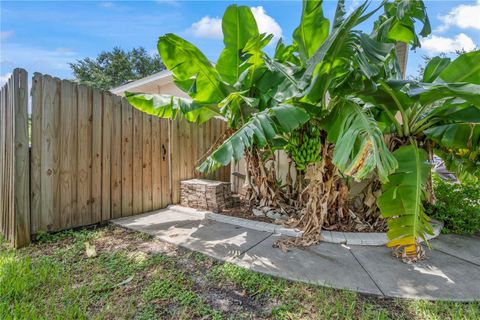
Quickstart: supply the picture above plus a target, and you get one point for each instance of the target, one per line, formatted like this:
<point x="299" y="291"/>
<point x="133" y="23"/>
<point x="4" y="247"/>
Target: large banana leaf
<point x="166" y="106"/>
<point x="397" y="23"/>
<point x="262" y="128"/>
<point x="402" y="197"/>
<point x="434" y="68"/>
<point x="433" y="92"/>
<point x="465" y="164"/>
<point x="313" y="29"/>
<point x="359" y="144"/>
<point x="332" y="60"/>
<point x="464" y="135"/>
<point x="466" y="68"/>
<point x="193" y="72"/>
<point x="238" y="26"/>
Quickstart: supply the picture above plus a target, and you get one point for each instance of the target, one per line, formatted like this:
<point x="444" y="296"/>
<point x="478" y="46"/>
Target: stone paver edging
<point x="350" y="238"/>
<point x="451" y="271"/>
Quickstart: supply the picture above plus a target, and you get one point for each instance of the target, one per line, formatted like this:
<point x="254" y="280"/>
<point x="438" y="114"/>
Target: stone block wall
<point x="206" y="195"/>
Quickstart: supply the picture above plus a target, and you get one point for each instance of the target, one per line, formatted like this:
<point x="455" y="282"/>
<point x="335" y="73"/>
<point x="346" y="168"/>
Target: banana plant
<point x="346" y="80"/>
<point x="440" y="115"/>
<point x="243" y="87"/>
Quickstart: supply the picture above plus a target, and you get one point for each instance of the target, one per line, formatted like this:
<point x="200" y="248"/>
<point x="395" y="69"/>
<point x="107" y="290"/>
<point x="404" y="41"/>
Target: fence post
<point x="21" y="162"/>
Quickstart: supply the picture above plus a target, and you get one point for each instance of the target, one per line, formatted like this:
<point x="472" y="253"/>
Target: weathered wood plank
<point x="84" y="158"/>
<point x="166" y="151"/>
<point x="3" y="186"/>
<point x="116" y="145"/>
<point x="9" y="160"/>
<point x="127" y="159"/>
<point x="147" y="163"/>
<point x="156" y="164"/>
<point x="106" y="155"/>
<point x="36" y="154"/>
<point x="67" y="147"/>
<point x="96" y="201"/>
<point x="49" y="155"/>
<point x="22" y="167"/>
<point x="176" y="160"/>
<point x="137" y="161"/>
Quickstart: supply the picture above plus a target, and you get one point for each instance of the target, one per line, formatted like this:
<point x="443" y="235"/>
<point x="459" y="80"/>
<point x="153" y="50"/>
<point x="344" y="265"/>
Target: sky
<point x="44" y="36"/>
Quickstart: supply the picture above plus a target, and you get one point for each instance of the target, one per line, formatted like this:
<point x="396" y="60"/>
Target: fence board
<point x="49" y="154"/>
<point x="166" y="164"/>
<point x="147" y="163"/>
<point x="156" y="164"/>
<point x="106" y="155"/>
<point x="96" y="120"/>
<point x="22" y="162"/>
<point x="137" y="161"/>
<point x="127" y="159"/>
<point x="84" y="184"/>
<point x="116" y="143"/>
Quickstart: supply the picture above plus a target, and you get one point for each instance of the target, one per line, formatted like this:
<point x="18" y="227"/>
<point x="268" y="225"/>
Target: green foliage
<point x="312" y="31"/>
<point x="262" y="128"/>
<point x="113" y="68"/>
<point x="348" y="81"/>
<point x="238" y="26"/>
<point x="464" y="69"/>
<point x="402" y="198"/>
<point x="457" y="205"/>
<point x="359" y="144"/>
<point x="192" y="71"/>
<point x="254" y="283"/>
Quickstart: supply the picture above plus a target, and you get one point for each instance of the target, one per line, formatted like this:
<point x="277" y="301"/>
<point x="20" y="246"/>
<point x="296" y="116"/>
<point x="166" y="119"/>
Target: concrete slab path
<point x="451" y="271"/>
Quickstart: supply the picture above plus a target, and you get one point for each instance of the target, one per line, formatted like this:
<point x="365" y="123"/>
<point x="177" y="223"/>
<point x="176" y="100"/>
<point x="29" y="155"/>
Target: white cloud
<point x="4" y="78"/>
<point x="211" y="28"/>
<point x="464" y="16"/>
<point x="207" y="27"/>
<point x="107" y="5"/>
<point x="266" y="24"/>
<point x="4" y="35"/>
<point x="435" y="44"/>
<point x="36" y="59"/>
<point x="169" y="2"/>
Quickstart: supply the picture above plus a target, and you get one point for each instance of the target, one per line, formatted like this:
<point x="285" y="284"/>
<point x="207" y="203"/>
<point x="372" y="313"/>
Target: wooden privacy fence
<point x="94" y="157"/>
<point x="14" y="163"/>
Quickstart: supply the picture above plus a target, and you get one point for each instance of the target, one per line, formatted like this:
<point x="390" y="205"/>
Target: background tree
<point x="113" y="68"/>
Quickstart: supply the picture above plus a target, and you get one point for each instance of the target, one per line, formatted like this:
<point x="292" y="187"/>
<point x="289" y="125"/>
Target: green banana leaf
<point x="238" y="26"/>
<point x="193" y="73"/>
<point x="359" y="145"/>
<point x="397" y="23"/>
<point x="331" y="61"/>
<point x="434" y="68"/>
<point x="313" y="29"/>
<point x="466" y="68"/>
<point x="402" y="197"/>
<point x="465" y="164"/>
<point x="262" y="128"/>
<point x="166" y="106"/>
<point x="464" y="135"/>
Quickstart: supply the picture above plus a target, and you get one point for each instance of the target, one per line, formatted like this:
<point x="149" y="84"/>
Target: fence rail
<point x="93" y="156"/>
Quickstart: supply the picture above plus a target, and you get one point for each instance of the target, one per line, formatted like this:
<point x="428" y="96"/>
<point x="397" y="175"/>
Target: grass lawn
<point x="135" y="276"/>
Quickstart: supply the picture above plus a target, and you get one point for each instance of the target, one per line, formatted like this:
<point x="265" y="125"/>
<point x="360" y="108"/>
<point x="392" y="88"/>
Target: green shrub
<point x="458" y="206"/>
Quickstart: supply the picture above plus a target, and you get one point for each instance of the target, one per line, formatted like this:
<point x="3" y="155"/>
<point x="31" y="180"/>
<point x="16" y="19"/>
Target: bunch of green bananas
<point x="304" y="146"/>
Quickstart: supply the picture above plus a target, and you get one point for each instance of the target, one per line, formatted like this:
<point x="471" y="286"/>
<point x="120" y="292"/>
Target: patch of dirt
<point x="357" y="223"/>
<point x="244" y="211"/>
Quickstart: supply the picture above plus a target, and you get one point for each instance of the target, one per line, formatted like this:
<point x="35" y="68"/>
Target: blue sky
<point x="43" y="36"/>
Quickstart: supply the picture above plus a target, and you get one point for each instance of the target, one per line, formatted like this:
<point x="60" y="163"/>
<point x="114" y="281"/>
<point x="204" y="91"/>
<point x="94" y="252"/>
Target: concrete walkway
<point x="451" y="272"/>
